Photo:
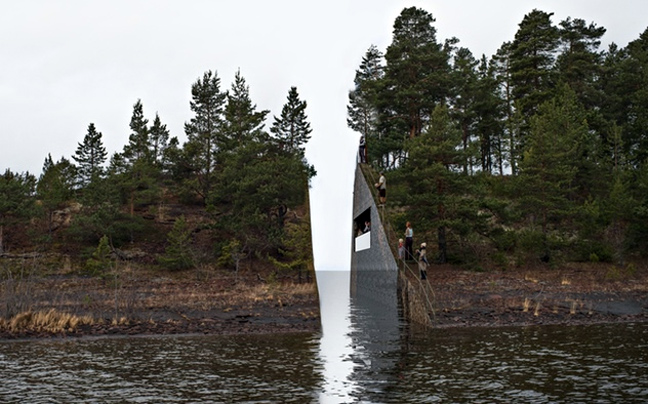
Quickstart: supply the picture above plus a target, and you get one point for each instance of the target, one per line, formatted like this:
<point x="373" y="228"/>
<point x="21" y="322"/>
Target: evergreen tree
<point x="158" y="141"/>
<point x="489" y="111"/>
<point x="548" y="170"/>
<point x="615" y="84"/>
<point x="416" y="79"/>
<point x="203" y="133"/>
<point x="90" y="156"/>
<point x="178" y="252"/>
<point x="135" y="171"/>
<point x="243" y="122"/>
<point x="100" y="214"/>
<point x="16" y="200"/>
<point x="463" y="101"/>
<point x="362" y="110"/>
<point x="256" y="186"/>
<point x="292" y="130"/>
<point x="636" y="219"/>
<point x="532" y="57"/>
<point x="633" y="79"/>
<point x="417" y="71"/>
<point x="100" y="261"/>
<point x="511" y="118"/>
<point x="436" y="184"/>
<point x="533" y="53"/>
<point x="580" y="61"/>
<point x="55" y="186"/>
<point x="138" y="142"/>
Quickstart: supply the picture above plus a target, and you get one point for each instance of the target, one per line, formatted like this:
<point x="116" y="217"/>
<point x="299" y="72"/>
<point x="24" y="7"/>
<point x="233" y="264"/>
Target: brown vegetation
<point x="132" y="299"/>
<point x="577" y="293"/>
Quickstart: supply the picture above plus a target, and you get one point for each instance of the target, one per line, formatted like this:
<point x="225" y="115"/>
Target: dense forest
<point x="537" y="154"/>
<point x="231" y="193"/>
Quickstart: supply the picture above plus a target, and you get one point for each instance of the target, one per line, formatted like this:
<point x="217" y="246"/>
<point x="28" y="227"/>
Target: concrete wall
<point x="374" y="272"/>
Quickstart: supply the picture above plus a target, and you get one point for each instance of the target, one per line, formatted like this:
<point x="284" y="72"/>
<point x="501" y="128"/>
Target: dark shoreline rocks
<point x="236" y="324"/>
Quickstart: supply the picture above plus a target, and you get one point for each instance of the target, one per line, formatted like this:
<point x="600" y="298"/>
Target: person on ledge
<point x="382" y="188"/>
<point x="422" y="261"/>
<point x="362" y="150"/>
<point x="409" y="241"/>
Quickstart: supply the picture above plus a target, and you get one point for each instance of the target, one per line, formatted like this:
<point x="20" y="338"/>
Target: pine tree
<point x="100" y="214"/>
<point x="256" y="185"/>
<point x="532" y="57"/>
<point x="489" y="111"/>
<point x="90" y="156"/>
<point x="416" y="74"/>
<point x="436" y="185"/>
<point x="632" y="82"/>
<point x="362" y="110"/>
<point x="242" y="121"/>
<point x="138" y="142"/>
<point x="464" y="77"/>
<point x="511" y="118"/>
<point x="292" y="130"/>
<point x="158" y="141"/>
<point x="203" y="132"/>
<point x="16" y="199"/>
<point x="55" y="186"/>
<point x="135" y="171"/>
<point x="548" y="169"/>
<point x="100" y="261"/>
<point x="178" y="254"/>
<point x="579" y="64"/>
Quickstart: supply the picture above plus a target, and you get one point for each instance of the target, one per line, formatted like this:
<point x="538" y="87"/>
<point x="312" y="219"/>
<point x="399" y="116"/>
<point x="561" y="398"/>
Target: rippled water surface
<point x="364" y="355"/>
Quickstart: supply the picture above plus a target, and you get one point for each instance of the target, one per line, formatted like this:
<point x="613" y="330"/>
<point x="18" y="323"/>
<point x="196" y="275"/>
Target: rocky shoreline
<point x="82" y="307"/>
<point x="570" y="295"/>
<point x="577" y="294"/>
<point x="230" y="325"/>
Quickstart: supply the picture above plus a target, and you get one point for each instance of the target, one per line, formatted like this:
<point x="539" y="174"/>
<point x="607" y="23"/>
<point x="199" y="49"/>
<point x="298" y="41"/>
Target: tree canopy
<point x="515" y="156"/>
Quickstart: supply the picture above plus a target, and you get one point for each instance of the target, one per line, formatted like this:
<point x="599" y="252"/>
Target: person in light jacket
<point x="409" y="241"/>
<point x="423" y="263"/>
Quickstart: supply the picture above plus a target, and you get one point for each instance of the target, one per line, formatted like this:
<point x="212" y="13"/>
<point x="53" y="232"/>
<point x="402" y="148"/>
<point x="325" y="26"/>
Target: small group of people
<point x="405" y="251"/>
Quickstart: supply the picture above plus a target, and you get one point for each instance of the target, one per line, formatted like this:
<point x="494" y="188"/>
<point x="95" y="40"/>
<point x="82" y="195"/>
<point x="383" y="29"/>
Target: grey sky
<point x="64" y="64"/>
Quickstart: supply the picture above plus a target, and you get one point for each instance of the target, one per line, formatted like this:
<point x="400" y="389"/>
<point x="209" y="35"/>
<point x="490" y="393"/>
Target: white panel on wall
<point x="363" y="242"/>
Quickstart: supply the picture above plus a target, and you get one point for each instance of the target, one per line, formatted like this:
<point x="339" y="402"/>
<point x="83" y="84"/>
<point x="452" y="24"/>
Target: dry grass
<point x="526" y="305"/>
<point x="278" y="294"/>
<point x="51" y="321"/>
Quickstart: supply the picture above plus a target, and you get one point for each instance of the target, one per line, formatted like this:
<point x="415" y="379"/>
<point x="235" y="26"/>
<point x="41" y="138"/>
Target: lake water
<point x="365" y="354"/>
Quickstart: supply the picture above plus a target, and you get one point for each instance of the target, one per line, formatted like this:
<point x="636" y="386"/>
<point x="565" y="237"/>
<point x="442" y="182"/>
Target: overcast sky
<point x="65" y="64"/>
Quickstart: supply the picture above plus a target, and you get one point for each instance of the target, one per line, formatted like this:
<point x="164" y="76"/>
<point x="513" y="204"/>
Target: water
<point x="365" y="354"/>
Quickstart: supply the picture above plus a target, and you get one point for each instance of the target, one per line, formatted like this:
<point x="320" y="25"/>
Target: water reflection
<point x="336" y="347"/>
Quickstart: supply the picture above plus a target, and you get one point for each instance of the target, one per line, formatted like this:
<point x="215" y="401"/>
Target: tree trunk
<point x="443" y="245"/>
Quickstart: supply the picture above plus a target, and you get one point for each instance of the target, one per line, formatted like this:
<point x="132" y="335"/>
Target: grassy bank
<point x="132" y="297"/>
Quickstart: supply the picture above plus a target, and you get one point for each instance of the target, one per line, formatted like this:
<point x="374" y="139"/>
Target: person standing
<point x="409" y="241"/>
<point x="401" y="249"/>
<point x="382" y="188"/>
<point x="362" y="150"/>
<point x="422" y="261"/>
